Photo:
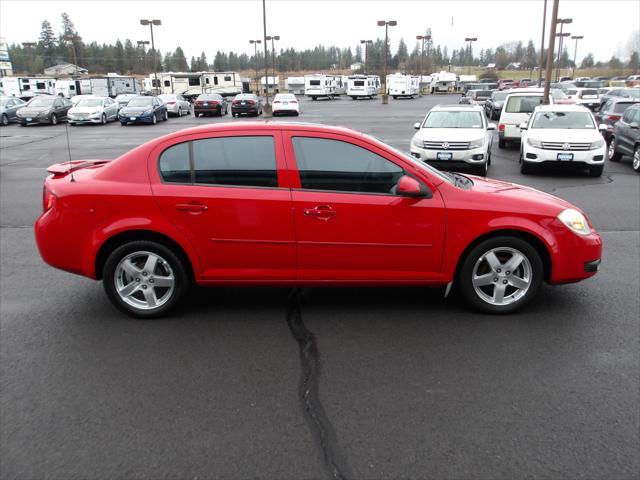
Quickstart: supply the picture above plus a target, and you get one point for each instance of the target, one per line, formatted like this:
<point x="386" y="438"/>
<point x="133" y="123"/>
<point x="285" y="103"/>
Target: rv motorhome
<point x="359" y="86"/>
<point x="109" y="86"/>
<point x="400" y="85"/>
<point x="27" y="87"/>
<point x="294" y="85"/>
<point x="192" y="84"/>
<point x="223" y="83"/>
<point x="320" y="85"/>
<point x="443" y="82"/>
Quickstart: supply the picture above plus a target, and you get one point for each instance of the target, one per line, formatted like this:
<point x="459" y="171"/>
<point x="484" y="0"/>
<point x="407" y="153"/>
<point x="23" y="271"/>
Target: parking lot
<point x="316" y="383"/>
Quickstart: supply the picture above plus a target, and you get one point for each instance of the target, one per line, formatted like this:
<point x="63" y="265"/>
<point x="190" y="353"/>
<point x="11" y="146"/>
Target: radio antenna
<point x="66" y="129"/>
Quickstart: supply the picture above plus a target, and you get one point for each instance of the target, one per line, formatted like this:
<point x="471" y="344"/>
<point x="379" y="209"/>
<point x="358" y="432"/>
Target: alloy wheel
<point x="636" y="159"/>
<point x="144" y="280"/>
<point x="502" y="276"/>
<point x="612" y="148"/>
<point x="5" y="120"/>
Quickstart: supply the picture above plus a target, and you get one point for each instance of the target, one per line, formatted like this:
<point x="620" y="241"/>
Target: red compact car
<point x="299" y="204"/>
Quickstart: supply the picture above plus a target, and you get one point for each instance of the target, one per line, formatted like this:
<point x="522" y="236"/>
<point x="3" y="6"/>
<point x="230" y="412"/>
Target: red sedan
<point x="287" y="204"/>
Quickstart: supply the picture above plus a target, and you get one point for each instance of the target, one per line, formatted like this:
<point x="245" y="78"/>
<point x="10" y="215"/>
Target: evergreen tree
<point x="588" y="62"/>
<point x="634" y="62"/>
<point x="402" y="54"/>
<point x="47" y="44"/>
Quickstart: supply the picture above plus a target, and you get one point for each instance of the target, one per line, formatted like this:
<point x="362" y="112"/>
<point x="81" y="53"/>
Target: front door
<point x="224" y="194"/>
<point x="350" y="225"/>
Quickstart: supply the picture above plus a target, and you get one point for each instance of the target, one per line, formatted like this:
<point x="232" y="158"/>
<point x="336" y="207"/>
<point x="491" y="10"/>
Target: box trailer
<point x="27" y="87"/>
<point x="363" y="86"/>
<point x="401" y="85"/>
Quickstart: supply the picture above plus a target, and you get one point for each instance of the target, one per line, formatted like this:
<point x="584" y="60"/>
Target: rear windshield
<point x="570" y="120"/>
<point x="631" y="92"/>
<point x="523" y="103"/>
<point x="453" y="119"/>
<point x="483" y="93"/>
<point x="207" y="97"/>
<point x="358" y="83"/>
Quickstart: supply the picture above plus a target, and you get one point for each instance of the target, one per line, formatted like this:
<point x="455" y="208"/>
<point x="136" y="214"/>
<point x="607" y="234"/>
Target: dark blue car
<point x="143" y="110"/>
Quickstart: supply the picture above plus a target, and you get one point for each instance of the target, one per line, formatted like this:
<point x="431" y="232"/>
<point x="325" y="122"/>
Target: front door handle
<point x="193" y="208"/>
<point x="322" y="212"/>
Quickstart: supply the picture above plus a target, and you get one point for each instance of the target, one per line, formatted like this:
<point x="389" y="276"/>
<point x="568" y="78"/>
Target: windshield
<point x="3" y="101"/>
<point x="523" y="103"/>
<point x="90" y="102"/>
<point x="140" y="102"/>
<point x="453" y="119"/>
<point x="568" y="120"/>
<point x="41" y="102"/>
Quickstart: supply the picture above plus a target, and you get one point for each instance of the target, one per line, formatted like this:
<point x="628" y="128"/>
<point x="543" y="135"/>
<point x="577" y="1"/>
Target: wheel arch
<point x="115" y="241"/>
<point x="538" y="244"/>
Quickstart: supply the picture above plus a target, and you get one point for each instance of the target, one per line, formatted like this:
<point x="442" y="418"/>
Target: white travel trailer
<point x="109" y="86"/>
<point x="320" y="85"/>
<point x="425" y="83"/>
<point x="400" y="85"/>
<point x="27" y="87"/>
<point x="341" y="84"/>
<point x="192" y="84"/>
<point x="294" y="85"/>
<point x="273" y="84"/>
<point x="224" y="83"/>
<point x="359" y="86"/>
<point x="443" y="82"/>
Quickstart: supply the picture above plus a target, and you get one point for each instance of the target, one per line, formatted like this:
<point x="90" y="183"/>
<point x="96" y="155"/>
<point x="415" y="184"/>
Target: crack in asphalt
<point x="562" y="187"/>
<point x="309" y="390"/>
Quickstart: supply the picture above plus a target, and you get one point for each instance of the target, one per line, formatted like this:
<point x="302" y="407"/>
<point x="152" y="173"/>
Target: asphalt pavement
<point x="315" y="383"/>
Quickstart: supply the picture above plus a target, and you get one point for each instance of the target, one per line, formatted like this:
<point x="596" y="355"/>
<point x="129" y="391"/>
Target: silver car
<point x="8" y="108"/>
<point x="93" y="110"/>
<point x="176" y="104"/>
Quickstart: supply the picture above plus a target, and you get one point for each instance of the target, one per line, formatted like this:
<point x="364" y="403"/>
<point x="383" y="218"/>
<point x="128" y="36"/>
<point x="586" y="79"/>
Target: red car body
<point x="288" y="235"/>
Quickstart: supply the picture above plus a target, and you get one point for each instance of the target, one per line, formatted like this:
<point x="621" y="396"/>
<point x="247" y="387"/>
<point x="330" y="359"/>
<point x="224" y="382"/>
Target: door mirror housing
<point x="410" y="187"/>
<point x="416" y="125"/>
<point x="634" y="125"/>
<point x="523" y="126"/>
<point x="491" y="126"/>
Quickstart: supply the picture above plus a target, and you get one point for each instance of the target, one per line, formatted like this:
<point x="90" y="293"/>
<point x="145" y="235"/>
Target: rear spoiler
<point x="61" y="169"/>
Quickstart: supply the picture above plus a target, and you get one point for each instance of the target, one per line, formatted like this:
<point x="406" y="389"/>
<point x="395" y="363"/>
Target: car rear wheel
<point x="166" y="116"/>
<point x="5" y="120"/>
<point x="144" y="279"/>
<point x="103" y="119"/>
<point x="636" y="159"/>
<point x="54" y="119"/>
<point x="612" y="152"/>
<point x="500" y="275"/>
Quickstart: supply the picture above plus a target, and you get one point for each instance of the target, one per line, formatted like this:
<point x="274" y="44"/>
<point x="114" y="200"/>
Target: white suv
<point x="454" y="136"/>
<point x="562" y="133"/>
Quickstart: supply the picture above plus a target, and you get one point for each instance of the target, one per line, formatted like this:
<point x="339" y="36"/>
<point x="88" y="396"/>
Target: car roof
<point x="457" y="106"/>
<point x="561" y="108"/>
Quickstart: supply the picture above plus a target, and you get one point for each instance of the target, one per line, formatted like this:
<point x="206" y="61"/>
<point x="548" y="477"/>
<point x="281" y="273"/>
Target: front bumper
<point x="574" y="257"/>
<point x="585" y="157"/>
<point x="33" y="120"/>
<point x="135" y="118"/>
<point x="79" y="120"/>
<point x="476" y="156"/>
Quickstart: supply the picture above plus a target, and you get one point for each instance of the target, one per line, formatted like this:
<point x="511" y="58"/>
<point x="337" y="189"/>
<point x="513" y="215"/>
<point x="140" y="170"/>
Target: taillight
<point x="213" y="103"/>
<point x="235" y="102"/>
<point x="171" y="103"/>
<point x="276" y="101"/>
<point x="48" y="199"/>
<point x="501" y="127"/>
<point x="293" y="101"/>
<point x="251" y="102"/>
<point x="613" y="118"/>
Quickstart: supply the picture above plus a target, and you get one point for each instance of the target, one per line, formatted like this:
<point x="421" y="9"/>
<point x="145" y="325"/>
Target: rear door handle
<point x="194" y="208"/>
<point x="322" y="212"/>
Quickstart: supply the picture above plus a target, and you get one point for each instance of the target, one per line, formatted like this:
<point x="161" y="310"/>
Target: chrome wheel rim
<point x="144" y="280"/>
<point x="502" y="276"/>
<point x="612" y="148"/>
<point x="636" y="159"/>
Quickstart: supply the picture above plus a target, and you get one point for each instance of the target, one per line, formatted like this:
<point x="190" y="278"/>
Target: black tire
<point x="465" y="274"/>
<point x="612" y="152"/>
<point x="596" y="170"/>
<point x="526" y="167"/>
<point x="179" y="112"/>
<point x="502" y="143"/>
<point x="5" y="120"/>
<point x="155" y="119"/>
<point x="635" y="164"/>
<point x="124" y="124"/>
<point x="481" y="170"/>
<point x="181" y="279"/>
<point x="54" y="119"/>
<point x="314" y="98"/>
<point x="103" y="119"/>
<point x="166" y="116"/>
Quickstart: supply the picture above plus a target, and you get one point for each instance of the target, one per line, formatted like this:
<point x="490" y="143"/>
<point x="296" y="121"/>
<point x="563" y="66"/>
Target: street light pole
<point x="273" y="55"/>
<point x="151" y="23"/>
<point x="386" y="24"/>
<point x="544" y="22"/>
<point x="255" y="54"/>
<point x="560" y="47"/>
<point x="575" y="52"/>
<point x="366" y="53"/>
<point x="142" y="43"/>
<point x="267" y="107"/>
<point x="422" y="38"/>
<point x="562" y="22"/>
<point x="552" y="39"/>
<point x="470" y="40"/>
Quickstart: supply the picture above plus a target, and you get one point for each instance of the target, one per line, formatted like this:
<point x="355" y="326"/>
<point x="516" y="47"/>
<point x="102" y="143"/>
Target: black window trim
<point x="192" y="169"/>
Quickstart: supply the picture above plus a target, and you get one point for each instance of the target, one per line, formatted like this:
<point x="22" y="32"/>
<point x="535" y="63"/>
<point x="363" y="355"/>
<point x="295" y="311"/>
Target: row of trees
<point x="129" y="58"/>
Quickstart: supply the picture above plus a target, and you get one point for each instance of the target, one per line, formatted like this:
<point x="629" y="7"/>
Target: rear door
<point x="350" y="225"/>
<point x="224" y="193"/>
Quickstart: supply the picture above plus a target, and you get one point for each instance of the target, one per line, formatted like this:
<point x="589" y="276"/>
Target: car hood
<point x="134" y="110"/>
<point x="564" y="135"/>
<point x="450" y="134"/>
<point x="85" y="110"/>
<point x="33" y="110"/>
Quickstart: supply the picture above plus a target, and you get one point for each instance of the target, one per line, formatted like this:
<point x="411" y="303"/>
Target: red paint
<point x="289" y="235"/>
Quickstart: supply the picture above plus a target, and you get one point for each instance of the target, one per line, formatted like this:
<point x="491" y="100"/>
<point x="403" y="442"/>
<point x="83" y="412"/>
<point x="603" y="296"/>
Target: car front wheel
<point x="613" y="155"/>
<point x="54" y="119"/>
<point x="636" y="159"/>
<point x="5" y="120"/>
<point x="144" y="279"/>
<point x="500" y="275"/>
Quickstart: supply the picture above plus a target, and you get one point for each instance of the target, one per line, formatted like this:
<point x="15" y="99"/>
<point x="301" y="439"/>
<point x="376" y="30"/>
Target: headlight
<point x="575" y="221"/>
<point x="93" y="114"/>
<point x="148" y="112"/>
<point x="597" y="144"/>
<point x="417" y="142"/>
<point x="532" y="142"/>
<point x="476" y="143"/>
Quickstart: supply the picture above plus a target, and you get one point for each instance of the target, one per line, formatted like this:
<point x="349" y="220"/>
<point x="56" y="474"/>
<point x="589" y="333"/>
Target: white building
<point x="356" y="66"/>
<point x="6" y="69"/>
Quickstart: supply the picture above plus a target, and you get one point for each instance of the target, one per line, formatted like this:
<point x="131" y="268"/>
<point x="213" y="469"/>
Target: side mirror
<point x="491" y="126"/>
<point x="523" y="126"/>
<point x="416" y="125"/>
<point x="603" y="127"/>
<point x="410" y="187"/>
<point x="633" y="125"/>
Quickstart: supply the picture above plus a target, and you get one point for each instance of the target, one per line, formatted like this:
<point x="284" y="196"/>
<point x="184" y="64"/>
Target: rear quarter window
<point x="174" y="164"/>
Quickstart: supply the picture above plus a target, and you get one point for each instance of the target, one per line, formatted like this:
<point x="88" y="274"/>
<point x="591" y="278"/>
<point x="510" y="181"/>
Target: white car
<point x="286" y="104"/>
<point x="176" y="104"/>
<point x="562" y="133"/>
<point x="454" y="136"/>
<point x="93" y="110"/>
<point x="588" y="97"/>
<point x="77" y="98"/>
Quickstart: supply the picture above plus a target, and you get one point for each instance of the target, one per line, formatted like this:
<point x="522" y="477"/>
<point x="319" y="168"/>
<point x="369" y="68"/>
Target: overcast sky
<point x="609" y="27"/>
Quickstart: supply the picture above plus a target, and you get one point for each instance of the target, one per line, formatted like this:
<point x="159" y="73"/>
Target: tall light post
<point x="575" y="52"/>
<point x="151" y="23"/>
<point x="255" y="54"/>
<point x="267" y="108"/>
<point x="470" y="40"/>
<point x="30" y="46"/>
<point x="562" y="22"/>
<point x="73" y="39"/>
<point x="422" y="38"/>
<point x="386" y="24"/>
<point x="561" y="36"/>
<point x="273" y="55"/>
<point x="143" y="44"/>
<point x="366" y="52"/>
<point x="544" y="23"/>
<point x="552" y="39"/>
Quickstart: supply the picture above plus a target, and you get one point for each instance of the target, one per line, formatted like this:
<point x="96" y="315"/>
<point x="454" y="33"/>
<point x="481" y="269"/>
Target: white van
<point x="517" y="109"/>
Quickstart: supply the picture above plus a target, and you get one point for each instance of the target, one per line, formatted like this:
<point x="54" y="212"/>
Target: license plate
<point x="243" y="103"/>
<point x="285" y="103"/>
<point x="132" y="118"/>
<point x="444" y="155"/>
<point x="205" y="104"/>
<point x="565" y="156"/>
<point x="29" y="119"/>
